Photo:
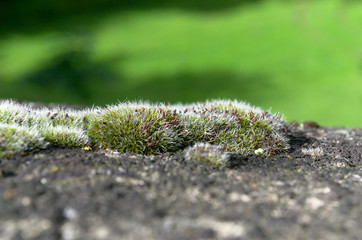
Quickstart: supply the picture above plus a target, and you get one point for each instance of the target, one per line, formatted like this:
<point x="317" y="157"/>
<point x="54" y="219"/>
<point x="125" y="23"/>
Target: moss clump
<point x="15" y="139"/>
<point x="155" y="128"/>
<point x="145" y="130"/>
<point x="235" y="125"/>
<point x="59" y="127"/>
<point x="207" y="153"/>
<point x="64" y="136"/>
<point x="152" y="129"/>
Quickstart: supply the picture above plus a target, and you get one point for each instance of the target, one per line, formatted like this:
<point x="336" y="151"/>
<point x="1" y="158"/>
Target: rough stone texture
<point x="79" y="194"/>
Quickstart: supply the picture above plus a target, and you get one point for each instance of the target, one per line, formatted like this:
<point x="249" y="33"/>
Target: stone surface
<point x="78" y="194"/>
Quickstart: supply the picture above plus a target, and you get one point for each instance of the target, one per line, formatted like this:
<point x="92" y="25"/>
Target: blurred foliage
<point x="301" y="57"/>
<point x="40" y="15"/>
<point x="72" y="72"/>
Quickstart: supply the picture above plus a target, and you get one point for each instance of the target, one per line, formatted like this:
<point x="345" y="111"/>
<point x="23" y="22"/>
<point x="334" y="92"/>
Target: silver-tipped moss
<point x="15" y="139"/>
<point x="205" y="152"/>
<point x="147" y="128"/>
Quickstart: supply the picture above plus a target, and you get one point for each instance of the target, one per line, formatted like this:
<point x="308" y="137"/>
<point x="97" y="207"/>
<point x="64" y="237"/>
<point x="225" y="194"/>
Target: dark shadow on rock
<point x="236" y="160"/>
<point x="297" y="138"/>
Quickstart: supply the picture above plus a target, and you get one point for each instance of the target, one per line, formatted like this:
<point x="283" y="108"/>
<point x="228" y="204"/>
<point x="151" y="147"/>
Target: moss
<point x="207" y="153"/>
<point x="145" y="130"/>
<point x="155" y="128"/>
<point x="15" y="139"/>
<point x="235" y="125"/>
<point x="64" y="136"/>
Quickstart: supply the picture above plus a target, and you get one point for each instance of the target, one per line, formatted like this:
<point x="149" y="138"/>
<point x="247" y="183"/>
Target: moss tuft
<point x="15" y="139"/>
<point x="207" y="153"/>
<point x="145" y="130"/>
<point x="155" y="128"/>
<point x="64" y="136"/>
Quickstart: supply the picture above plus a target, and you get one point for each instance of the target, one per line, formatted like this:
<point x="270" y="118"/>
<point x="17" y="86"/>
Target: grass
<point x="303" y="58"/>
<point x="213" y="126"/>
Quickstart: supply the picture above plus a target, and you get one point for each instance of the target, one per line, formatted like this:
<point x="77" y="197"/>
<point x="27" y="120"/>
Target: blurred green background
<point x="302" y="58"/>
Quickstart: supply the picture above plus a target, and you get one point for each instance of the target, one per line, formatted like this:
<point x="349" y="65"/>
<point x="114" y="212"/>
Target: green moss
<point x="64" y="136"/>
<point x="146" y="130"/>
<point x="15" y="139"/>
<point x="153" y="129"/>
<point x="237" y="126"/>
<point x="207" y="153"/>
